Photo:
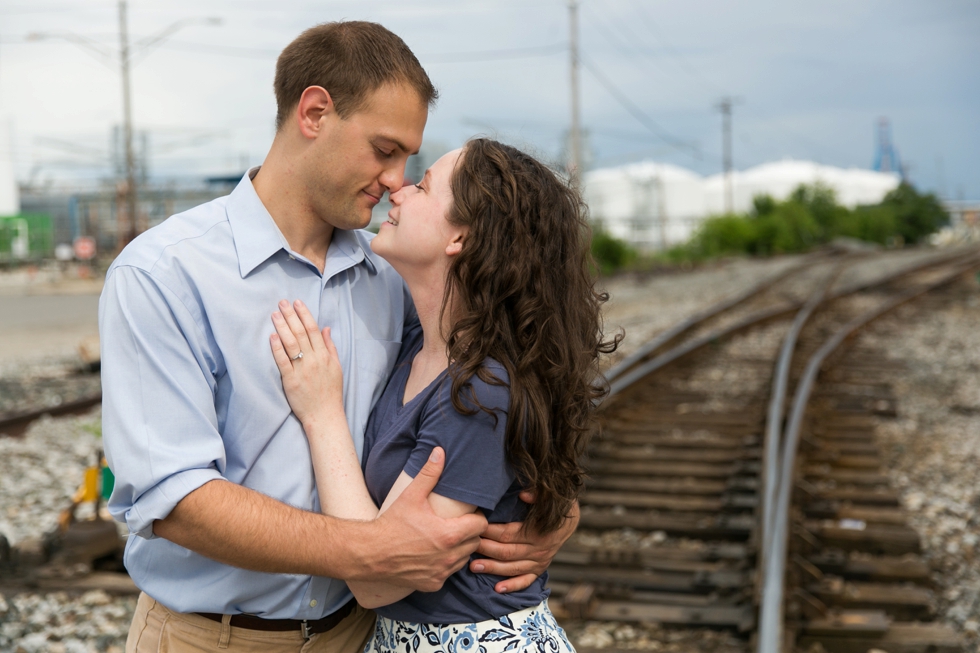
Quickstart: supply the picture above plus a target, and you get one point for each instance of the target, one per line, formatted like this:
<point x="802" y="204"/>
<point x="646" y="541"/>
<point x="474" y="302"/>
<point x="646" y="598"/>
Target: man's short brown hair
<point x="350" y="59"/>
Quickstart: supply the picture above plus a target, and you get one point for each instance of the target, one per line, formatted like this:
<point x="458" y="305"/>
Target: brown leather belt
<point x="307" y="628"/>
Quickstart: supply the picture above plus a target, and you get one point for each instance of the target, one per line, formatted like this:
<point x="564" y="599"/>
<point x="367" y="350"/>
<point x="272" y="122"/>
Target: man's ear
<point x="314" y="105"/>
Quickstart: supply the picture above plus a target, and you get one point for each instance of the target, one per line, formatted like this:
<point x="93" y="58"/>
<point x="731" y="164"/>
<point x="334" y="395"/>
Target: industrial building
<point x="657" y="205"/>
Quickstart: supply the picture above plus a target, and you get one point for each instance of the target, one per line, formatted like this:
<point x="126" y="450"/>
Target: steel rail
<point x="702" y="316"/>
<point x="777" y="400"/>
<point x="771" y="629"/>
<point x="624" y="380"/>
<point x="13" y="424"/>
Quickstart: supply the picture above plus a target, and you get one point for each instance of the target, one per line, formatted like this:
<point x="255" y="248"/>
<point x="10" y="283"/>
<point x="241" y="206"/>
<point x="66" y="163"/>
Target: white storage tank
<point x="657" y="205"/>
<point x="652" y="205"/>
<point x="9" y="195"/>
<point x="853" y="186"/>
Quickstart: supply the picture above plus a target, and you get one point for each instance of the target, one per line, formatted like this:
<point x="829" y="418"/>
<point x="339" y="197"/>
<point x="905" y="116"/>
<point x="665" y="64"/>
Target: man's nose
<point x="396" y="196"/>
<point x="393" y="178"/>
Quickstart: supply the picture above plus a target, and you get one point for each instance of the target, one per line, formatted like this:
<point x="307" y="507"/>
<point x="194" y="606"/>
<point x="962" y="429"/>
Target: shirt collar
<point x="257" y="237"/>
<point x="347" y="249"/>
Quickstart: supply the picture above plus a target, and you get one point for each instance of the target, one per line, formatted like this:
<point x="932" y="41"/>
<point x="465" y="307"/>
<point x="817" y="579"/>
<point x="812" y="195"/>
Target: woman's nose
<point x="397" y="196"/>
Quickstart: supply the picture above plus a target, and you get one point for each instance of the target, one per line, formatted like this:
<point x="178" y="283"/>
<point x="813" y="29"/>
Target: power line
<point x="681" y="60"/>
<point x="471" y="56"/>
<point x="607" y="33"/>
<point x="635" y="111"/>
<point x="440" y="57"/>
<point x="684" y="63"/>
<point x="629" y="51"/>
<point x="632" y="51"/>
<point x="638" y="113"/>
<point x="227" y="50"/>
<point x="494" y="55"/>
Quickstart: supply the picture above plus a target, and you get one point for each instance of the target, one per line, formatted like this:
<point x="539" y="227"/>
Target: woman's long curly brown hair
<point x="522" y="292"/>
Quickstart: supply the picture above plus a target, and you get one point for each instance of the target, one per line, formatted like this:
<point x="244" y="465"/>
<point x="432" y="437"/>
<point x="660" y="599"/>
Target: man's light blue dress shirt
<point x="191" y="392"/>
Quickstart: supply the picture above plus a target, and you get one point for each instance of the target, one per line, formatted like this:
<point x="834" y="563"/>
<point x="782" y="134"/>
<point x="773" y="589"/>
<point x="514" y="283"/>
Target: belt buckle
<point x="304" y="628"/>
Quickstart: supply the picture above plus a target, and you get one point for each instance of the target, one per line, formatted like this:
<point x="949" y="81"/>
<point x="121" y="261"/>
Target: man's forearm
<point x="244" y="528"/>
<point x="409" y="545"/>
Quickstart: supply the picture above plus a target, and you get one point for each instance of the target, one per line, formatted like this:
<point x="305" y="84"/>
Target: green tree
<point x="610" y="253"/>
<point x="874" y="224"/>
<point x="763" y="205"/>
<point x="820" y="201"/>
<point x="724" y="234"/>
<point x="790" y="228"/>
<point x="916" y="215"/>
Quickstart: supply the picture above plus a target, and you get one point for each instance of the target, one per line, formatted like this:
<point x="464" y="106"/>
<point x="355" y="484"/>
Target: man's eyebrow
<point x="397" y="143"/>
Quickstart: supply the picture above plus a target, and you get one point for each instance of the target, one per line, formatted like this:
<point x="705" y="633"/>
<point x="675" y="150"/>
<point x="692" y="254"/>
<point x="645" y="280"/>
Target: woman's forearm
<point x="371" y="594"/>
<point x="339" y="480"/>
<point x="343" y="493"/>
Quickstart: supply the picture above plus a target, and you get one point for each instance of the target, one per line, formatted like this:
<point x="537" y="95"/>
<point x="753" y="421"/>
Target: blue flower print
<point x="464" y="640"/>
<point x="537" y="632"/>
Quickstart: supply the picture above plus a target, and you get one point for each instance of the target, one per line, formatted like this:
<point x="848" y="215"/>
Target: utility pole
<point x="127" y="191"/>
<point x="725" y="106"/>
<point x="127" y="229"/>
<point x="575" y="161"/>
<point x="662" y="208"/>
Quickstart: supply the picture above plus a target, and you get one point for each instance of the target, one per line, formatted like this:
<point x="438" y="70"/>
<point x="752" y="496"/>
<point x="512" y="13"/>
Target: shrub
<point x="610" y="253"/>
<point x="790" y="228"/>
<point x="809" y="217"/>
<point x="874" y="224"/>
<point x="725" y="234"/>
<point x="916" y="215"/>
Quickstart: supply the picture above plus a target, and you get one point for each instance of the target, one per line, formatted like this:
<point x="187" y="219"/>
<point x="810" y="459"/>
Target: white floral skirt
<point x="531" y="629"/>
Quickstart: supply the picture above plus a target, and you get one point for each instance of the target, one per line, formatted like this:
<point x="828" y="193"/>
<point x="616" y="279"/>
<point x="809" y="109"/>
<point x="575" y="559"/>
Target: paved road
<point x="34" y="327"/>
<point x="48" y="311"/>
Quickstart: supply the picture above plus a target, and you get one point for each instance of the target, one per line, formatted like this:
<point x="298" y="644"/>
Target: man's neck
<point x="285" y="198"/>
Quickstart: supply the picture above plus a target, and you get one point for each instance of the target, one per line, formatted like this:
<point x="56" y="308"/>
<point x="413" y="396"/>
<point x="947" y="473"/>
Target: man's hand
<point x="522" y="557"/>
<point x="408" y="545"/>
<point x="414" y="547"/>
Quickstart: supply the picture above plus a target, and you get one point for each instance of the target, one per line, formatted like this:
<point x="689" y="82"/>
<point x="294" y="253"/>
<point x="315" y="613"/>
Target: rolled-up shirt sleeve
<point x="159" y="424"/>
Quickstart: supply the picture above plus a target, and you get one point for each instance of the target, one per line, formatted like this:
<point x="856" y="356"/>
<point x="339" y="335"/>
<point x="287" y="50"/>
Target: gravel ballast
<point x="933" y="449"/>
<point x="933" y="446"/>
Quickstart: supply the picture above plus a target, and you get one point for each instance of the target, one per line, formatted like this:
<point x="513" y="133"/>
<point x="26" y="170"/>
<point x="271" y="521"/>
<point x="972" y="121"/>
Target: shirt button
<point x="313" y="603"/>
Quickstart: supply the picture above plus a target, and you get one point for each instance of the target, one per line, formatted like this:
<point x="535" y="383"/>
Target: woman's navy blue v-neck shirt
<point x="400" y="437"/>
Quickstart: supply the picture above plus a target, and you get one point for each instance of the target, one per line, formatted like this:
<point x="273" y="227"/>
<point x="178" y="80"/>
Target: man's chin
<point x="357" y="218"/>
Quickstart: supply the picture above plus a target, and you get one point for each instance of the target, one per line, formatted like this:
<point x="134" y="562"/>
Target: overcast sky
<point x="811" y="80"/>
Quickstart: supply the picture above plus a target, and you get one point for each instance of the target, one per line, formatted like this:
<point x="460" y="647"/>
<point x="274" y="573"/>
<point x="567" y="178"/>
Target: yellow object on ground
<point x="90" y="486"/>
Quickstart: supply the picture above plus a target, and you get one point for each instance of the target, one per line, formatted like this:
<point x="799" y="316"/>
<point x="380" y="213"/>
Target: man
<point x="213" y="474"/>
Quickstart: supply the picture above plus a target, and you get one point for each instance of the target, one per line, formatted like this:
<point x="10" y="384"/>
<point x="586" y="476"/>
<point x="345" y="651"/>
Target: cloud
<point x="812" y="78"/>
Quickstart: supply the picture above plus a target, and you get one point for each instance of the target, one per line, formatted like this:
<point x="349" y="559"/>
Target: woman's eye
<point x="419" y="186"/>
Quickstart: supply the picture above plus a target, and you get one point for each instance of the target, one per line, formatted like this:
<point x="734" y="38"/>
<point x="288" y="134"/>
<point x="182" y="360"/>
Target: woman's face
<point x="417" y="234"/>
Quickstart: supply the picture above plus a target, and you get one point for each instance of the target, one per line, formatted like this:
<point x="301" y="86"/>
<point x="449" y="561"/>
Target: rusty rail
<point x="770" y="638"/>
<point x="706" y="480"/>
<point x="17" y="423"/>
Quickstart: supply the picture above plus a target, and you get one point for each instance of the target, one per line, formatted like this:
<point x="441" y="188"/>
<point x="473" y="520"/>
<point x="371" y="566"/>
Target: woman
<point x="494" y="249"/>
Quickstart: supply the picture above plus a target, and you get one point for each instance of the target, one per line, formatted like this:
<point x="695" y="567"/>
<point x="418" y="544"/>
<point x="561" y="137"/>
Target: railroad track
<point x="730" y="490"/>
<point x="17" y="423"/>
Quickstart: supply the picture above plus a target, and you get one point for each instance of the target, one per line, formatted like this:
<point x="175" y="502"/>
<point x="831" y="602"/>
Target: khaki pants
<point x="157" y="629"/>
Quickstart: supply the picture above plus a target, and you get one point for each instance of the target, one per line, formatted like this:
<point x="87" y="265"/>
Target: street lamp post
<point x="127" y="233"/>
<point x="575" y="160"/>
<point x="128" y="195"/>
